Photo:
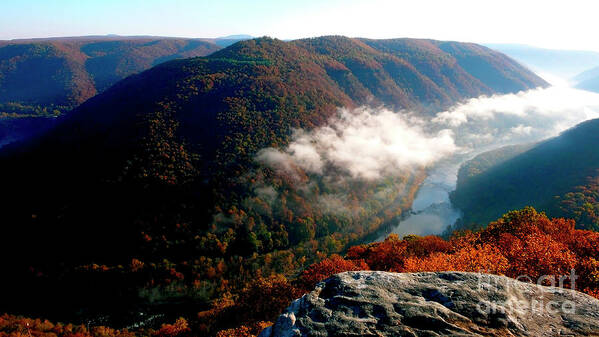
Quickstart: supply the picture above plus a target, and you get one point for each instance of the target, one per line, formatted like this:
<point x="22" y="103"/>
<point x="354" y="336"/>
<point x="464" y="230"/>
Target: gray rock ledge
<point x="370" y="303"/>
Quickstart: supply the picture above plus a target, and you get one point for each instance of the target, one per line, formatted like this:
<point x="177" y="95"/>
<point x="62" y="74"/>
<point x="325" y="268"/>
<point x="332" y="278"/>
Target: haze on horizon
<point x="548" y="24"/>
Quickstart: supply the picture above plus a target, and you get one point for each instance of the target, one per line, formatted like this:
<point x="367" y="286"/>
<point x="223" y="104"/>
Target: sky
<point x="552" y="24"/>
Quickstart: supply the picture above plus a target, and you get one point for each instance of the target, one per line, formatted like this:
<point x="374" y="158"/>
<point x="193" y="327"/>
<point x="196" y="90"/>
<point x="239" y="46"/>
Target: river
<point x="432" y="212"/>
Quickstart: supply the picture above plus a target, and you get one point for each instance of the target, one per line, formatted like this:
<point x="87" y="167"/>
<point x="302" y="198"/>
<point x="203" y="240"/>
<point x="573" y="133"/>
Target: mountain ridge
<point x="96" y="61"/>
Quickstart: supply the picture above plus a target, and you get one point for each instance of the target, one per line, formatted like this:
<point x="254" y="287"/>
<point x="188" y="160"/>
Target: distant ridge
<point x="588" y="80"/>
<point x="41" y="78"/>
<point x="48" y="76"/>
<point x="563" y="63"/>
<point x="235" y="37"/>
<point x="73" y="69"/>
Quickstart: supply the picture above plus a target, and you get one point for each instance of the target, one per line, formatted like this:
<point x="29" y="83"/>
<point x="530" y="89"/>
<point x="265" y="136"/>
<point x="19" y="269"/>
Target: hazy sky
<point x="563" y="24"/>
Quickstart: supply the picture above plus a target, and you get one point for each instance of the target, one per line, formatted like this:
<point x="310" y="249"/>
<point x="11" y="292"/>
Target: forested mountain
<point x="417" y="72"/>
<point x="559" y="176"/>
<point x="39" y="75"/>
<point x="151" y="192"/>
<point x="46" y="77"/>
<point x="64" y="72"/>
<point x="43" y="78"/>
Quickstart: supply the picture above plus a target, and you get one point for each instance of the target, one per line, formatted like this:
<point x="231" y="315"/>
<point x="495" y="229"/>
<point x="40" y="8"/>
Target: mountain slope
<point x="425" y="72"/>
<point x="46" y="77"/>
<point x="553" y="176"/>
<point x="261" y="86"/>
<point x="161" y="169"/>
<point x="499" y="72"/>
<point x="43" y="74"/>
<point x="66" y="72"/>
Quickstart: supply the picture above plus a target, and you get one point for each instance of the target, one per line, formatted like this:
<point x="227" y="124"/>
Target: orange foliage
<point x="483" y="258"/>
<point x="262" y="299"/>
<point x="522" y="243"/>
<point x="14" y="326"/>
<point x="333" y="265"/>
<point x="535" y="255"/>
<point x="386" y="255"/>
<point x="179" y="328"/>
<point x="533" y="244"/>
<point x="423" y="246"/>
<point x="207" y="319"/>
<point x="390" y="254"/>
<point x="584" y="243"/>
<point x="267" y="297"/>
<point x="588" y="272"/>
<point x="245" y="331"/>
<point x="593" y="292"/>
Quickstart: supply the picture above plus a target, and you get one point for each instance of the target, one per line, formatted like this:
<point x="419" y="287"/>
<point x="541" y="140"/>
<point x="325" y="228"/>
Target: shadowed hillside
<point x="558" y="176"/>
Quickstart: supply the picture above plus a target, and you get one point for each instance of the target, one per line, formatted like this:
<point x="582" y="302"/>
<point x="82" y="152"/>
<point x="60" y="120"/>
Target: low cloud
<point x="369" y="143"/>
<point x="364" y="144"/>
<point x="525" y="116"/>
<point x="549" y="102"/>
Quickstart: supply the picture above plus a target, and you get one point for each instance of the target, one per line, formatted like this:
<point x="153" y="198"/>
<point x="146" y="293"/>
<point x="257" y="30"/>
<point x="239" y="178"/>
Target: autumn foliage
<point x="327" y="267"/>
<point x="16" y="326"/>
<point x="582" y="204"/>
<point x="179" y="328"/>
<point x="521" y="243"/>
<point x="244" y="330"/>
<point x="261" y="300"/>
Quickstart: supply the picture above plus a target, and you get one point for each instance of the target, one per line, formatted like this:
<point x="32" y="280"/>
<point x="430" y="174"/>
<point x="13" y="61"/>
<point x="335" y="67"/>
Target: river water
<point x="432" y="212"/>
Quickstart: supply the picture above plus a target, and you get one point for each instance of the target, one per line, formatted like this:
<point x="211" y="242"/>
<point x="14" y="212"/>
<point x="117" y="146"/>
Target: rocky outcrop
<point x="369" y="303"/>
